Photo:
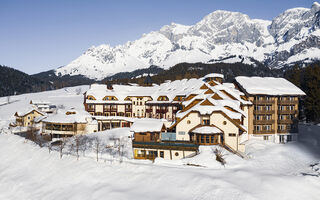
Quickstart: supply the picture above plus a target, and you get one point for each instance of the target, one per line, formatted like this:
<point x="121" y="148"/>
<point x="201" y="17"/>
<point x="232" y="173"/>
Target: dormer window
<point x="163" y="98"/>
<point x="90" y="97"/>
<point x="110" y="98"/>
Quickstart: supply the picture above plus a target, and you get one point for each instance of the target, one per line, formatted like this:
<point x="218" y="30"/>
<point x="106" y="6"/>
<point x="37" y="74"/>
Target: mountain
<point x="222" y="36"/>
<point x="13" y="82"/>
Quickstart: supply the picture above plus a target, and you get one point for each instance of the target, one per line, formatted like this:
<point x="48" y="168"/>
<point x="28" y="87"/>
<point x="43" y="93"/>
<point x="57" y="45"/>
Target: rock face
<point x="291" y="37"/>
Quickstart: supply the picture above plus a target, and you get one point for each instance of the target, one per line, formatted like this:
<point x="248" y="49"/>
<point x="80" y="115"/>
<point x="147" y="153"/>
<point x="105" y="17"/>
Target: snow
<point x="214" y="75"/>
<point x="27" y="110"/>
<point x="268" y="86"/>
<point x="207" y="130"/>
<point x="271" y="171"/>
<point x="169" y="89"/>
<point x="62" y="117"/>
<point x="218" y="36"/>
<point x="147" y="125"/>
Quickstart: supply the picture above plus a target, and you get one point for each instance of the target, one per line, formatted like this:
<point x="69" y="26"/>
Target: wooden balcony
<point x="110" y="110"/>
<point x="263" y="121"/>
<point x="287" y="112"/>
<point x="283" y="131"/>
<point x="294" y="130"/>
<point x="264" y="101"/>
<point x="161" y="110"/>
<point x="286" y="102"/>
<point x="263" y="132"/>
<point x="285" y="121"/>
<point x="149" y="110"/>
<point x="263" y="111"/>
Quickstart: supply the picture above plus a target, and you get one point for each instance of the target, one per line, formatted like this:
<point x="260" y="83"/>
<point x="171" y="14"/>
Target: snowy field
<point x="272" y="171"/>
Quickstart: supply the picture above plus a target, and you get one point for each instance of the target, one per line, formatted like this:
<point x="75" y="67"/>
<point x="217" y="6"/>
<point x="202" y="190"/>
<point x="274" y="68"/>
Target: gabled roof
<point x="27" y="111"/>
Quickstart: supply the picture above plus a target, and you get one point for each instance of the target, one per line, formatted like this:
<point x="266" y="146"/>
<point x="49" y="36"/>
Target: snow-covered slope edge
<point x="288" y="38"/>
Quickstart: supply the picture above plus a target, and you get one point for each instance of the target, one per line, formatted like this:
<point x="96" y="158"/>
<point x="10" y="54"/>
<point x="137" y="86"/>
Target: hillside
<point x="222" y="36"/>
<point x="13" y="82"/>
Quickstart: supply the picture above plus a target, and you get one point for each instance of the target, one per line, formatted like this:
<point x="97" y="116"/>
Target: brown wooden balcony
<point x="288" y="102"/>
<point x="149" y="110"/>
<point x="263" y="111"/>
<point x="263" y="101"/>
<point x="264" y="121"/>
<point x="287" y="112"/>
<point x="285" y="121"/>
<point x="263" y="131"/>
<point x="161" y="110"/>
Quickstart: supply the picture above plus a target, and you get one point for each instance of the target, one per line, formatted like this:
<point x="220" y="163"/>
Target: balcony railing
<point x="263" y="101"/>
<point x="162" y="110"/>
<point x="294" y="130"/>
<point x="285" y="121"/>
<point x="263" y="111"/>
<point x="287" y="111"/>
<point x="264" y="121"/>
<point x="149" y="110"/>
<point x="110" y="110"/>
<point x="288" y="101"/>
<point x="263" y="131"/>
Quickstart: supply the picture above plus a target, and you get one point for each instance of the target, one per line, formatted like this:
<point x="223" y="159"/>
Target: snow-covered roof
<point x="147" y="125"/>
<point x="28" y="110"/>
<point x="62" y="117"/>
<point x="207" y="130"/>
<point x="214" y="75"/>
<point x="268" y="86"/>
<point x="171" y="89"/>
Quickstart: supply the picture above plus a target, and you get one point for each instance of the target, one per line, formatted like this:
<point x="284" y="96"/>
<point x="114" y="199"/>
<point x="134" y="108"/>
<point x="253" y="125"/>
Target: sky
<point x="37" y="36"/>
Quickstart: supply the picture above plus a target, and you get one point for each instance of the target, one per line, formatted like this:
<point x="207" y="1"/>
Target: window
<point x="265" y="137"/>
<point x="207" y="139"/>
<point x="181" y="133"/>
<point x="232" y="135"/>
<point x="188" y="122"/>
<point x="176" y="154"/>
<point x="212" y="139"/>
<point x="206" y="122"/>
<point x="224" y="123"/>
<point x="289" y="138"/>
<point x="202" y="139"/>
<point x="161" y="154"/>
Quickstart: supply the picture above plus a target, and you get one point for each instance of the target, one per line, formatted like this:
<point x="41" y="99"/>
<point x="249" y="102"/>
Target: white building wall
<point x="192" y="120"/>
<point x="219" y="120"/>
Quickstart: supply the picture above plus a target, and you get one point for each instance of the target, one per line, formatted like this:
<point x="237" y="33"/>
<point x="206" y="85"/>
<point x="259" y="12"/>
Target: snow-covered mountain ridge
<point x="291" y="37"/>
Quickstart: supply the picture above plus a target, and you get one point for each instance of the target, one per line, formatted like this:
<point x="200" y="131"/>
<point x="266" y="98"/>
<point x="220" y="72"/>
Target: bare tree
<point x="83" y="140"/>
<point x="62" y="146"/>
<point x="220" y="154"/>
<point x="49" y="147"/>
<point x="77" y="145"/>
<point x="97" y="147"/>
